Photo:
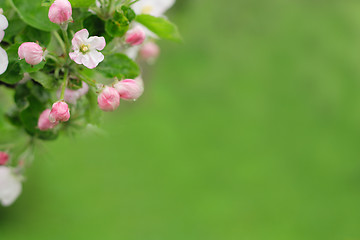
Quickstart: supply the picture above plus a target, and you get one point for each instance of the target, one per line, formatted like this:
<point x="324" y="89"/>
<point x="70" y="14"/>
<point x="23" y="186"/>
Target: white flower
<point x="3" y="56"/>
<point x="3" y="61"/>
<point x="3" y="25"/>
<point x="155" y="8"/>
<point x="10" y="186"/>
<point x="86" y="49"/>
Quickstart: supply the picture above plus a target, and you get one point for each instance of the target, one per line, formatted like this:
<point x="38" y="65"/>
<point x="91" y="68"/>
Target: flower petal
<point x="10" y="186"/>
<point x="80" y="37"/>
<point x="92" y="59"/>
<point x="97" y="43"/>
<point x="4" y="61"/>
<point x="3" y="22"/>
<point x="76" y="57"/>
<point x="155" y="8"/>
<point x="2" y="34"/>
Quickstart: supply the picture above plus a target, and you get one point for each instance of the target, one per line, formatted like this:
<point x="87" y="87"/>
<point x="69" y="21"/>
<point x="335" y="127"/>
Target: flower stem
<point x="64" y="84"/>
<point x="66" y="39"/>
<point x="61" y="42"/>
<point x="86" y="79"/>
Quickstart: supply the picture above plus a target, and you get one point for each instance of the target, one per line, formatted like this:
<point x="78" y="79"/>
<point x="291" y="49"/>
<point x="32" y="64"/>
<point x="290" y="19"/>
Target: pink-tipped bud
<point x="60" y="11"/>
<point x="59" y="112"/>
<point x="149" y="51"/>
<point x="135" y="36"/>
<point x="4" y="157"/>
<point x="109" y="99"/>
<point x="32" y="53"/>
<point x="129" y="89"/>
<point x="44" y="121"/>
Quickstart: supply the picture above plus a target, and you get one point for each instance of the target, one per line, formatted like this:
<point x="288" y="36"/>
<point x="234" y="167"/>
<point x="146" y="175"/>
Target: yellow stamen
<point x="147" y="9"/>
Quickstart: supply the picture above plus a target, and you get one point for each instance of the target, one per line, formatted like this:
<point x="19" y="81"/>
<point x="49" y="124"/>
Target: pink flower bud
<point x="44" y="121"/>
<point x="60" y="11"/>
<point x="149" y="51"/>
<point x="135" y="36"/>
<point x="109" y="99"/>
<point x="59" y="112"/>
<point x="129" y="89"/>
<point x="4" y="157"/>
<point x="32" y="53"/>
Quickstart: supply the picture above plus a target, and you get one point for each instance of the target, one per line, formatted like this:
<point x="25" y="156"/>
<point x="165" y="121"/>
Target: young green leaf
<point x="118" y="65"/>
<point x="32" y="13"/>
<point x="44" y="79"/>
<point x="160" y="26"/>
<point x="81" y="3"/>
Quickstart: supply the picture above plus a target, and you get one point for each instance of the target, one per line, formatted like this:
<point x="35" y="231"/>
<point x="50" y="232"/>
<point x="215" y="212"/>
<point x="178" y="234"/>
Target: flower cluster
<point x="69" y="68"/>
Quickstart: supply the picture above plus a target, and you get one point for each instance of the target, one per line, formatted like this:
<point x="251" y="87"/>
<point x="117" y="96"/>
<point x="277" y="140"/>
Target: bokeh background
<point x="249" y="130"/>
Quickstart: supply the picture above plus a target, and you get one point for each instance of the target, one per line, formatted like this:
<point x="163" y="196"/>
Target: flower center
<point x="147" y="9"/>
<point x="84" y="48"/>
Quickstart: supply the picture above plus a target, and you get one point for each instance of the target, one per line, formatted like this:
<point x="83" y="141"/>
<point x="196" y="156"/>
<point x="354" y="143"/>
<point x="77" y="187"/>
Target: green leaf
<point x="92" y="111"/>
<point x="94" y="25"/>
<point x="32" y="13"/>
<point x="118" y="25"/>
<point x="44" y="79"/>
<point x="21" y="93"/>
<point x="31" y="34"/>
<point x="160" y="26"/>
<point x="13" y="72"/>
<point x="81" y="3"/>
<point x="118" y="65"/>
<point x="25" y="67"/>
<point x="30" y="115"/>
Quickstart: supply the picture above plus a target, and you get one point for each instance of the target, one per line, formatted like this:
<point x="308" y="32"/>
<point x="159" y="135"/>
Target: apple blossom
<point x="3" y="25"/>
<point x="10" y="186"/>
<point x="60" y="11"/>
<point x="59" y="112"/>
<point x="86" y="49"/>
<point x="44" y="122"/>
<point x="4" y="157"/>
<point x="135" y="36"/>
<point x="129" y="89"/>
<point x="149" y="51"/>
<point x="32" y="52"/>
<point x="109" y="99"/>
<point x="152" y="7"/>
<point x="4" y="61"/>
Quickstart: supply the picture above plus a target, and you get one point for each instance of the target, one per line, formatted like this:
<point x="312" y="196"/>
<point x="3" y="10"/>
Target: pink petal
<point x="97" y="43"/>
<point x="92" y="59"/>
<point x="80" y="38"/>
<point x="76" y="57"/>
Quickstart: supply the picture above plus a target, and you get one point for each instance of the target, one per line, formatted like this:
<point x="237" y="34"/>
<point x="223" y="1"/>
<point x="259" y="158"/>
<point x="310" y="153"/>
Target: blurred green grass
<point x="249" y="130"/>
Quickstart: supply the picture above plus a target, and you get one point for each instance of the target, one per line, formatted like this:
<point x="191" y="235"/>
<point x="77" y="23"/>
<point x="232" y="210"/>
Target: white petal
<point x="3" y="22"/>
<point x="92" y="59"/>
<point x="4" y="61"/>
<point x="76" y="57"/>
<point x="10" y="186"/>
<point x="80" y="38"/>
<point x="2" y="34"/>
<point x="156" y="8"/>
<point x="97" y="43"/>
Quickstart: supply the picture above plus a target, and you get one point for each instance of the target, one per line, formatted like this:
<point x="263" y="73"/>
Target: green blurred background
<point x="249" y="130"/>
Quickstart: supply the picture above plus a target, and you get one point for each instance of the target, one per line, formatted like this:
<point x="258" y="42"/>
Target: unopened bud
<point x="109" y="99"/>
<point x="59" y="112"/>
